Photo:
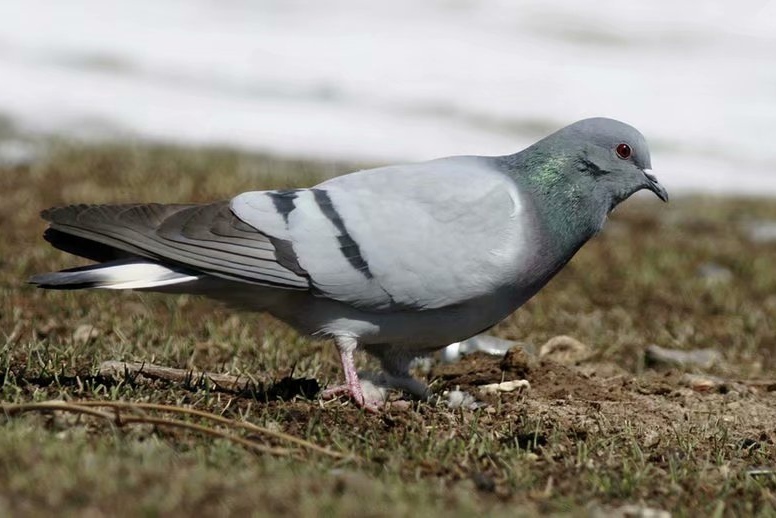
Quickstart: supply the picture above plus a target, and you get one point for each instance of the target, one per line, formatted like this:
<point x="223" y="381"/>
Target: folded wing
<point x="421" y="236"/>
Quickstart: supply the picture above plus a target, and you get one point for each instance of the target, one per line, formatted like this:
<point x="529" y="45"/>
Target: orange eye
<point x="623" y="151"/>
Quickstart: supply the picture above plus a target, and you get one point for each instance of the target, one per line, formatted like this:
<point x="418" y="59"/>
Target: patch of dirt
<point x="548" y="379"/>
<point x="594" y="398"/>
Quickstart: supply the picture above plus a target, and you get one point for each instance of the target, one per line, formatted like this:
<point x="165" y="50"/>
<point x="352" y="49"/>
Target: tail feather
<point x="204" y="239"/>
<point x="126" y="274"/>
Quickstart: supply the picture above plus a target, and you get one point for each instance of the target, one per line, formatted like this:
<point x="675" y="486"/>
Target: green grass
<point x="595" y="436"/>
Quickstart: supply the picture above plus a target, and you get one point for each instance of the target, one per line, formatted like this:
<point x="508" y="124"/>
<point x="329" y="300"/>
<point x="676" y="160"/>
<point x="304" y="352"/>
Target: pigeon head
<point x="576" y="176"/>
<point x="614" y="154"/>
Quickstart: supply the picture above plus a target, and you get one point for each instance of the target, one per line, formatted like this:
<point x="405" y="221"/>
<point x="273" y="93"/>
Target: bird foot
<point x="353" y="387"/>
<point x="375" y="387"/>
<point x="370" y="404"/>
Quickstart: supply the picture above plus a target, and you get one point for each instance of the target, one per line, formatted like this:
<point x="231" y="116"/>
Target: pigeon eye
<point x="623" y="151"/>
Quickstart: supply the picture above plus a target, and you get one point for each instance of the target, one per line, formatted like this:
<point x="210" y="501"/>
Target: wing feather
<point x="208" y="238"/>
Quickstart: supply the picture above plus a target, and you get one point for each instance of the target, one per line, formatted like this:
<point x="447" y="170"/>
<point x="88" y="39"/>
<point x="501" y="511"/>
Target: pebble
<point x="703" y="358"/>
<point x="565" y="350"/>
<point x="761" y="231"/>
<point x="629" y="511"/>
<point x="714" y="273"/>
<point x="505" y="386"/>
<point x="480" y="343"/>
<point x="701" y="383"/>
<point x="85" y="333"/>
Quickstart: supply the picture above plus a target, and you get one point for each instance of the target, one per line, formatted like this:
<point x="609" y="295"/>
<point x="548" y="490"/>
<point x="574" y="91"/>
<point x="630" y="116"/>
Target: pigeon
<point x="398" y="261"/>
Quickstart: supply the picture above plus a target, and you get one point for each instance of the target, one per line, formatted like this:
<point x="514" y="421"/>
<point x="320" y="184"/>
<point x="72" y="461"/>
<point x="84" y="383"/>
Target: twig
<point x="118" y="420"/>
<point x="87" y="408"/>
<point x="227" y="381"/>
<point x="220" y="419"/>
<point x="12" y="409"/>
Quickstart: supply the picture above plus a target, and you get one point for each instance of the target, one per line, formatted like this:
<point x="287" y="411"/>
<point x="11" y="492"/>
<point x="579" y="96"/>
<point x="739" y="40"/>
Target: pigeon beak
<point x="654" y="186"/>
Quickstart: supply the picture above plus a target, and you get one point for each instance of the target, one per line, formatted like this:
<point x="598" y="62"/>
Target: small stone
<point x="85" y="333"/>
<point x="701" y="383"/>
<point x="761" y="231"/>
<point x="627" y="511"/>
<point x="505" y="386"/>
<point x="651" y="438"/>
<point x="714" y="273"/>
<point x="517" y="362"/>
<point x="761" y="471"/>
<point x="565" y="350"/>
<point x="480" y="343"/>
<point x="637" y="511"/>
<point x="605" y="370"/>
<point x="51" y="327"/>
<point x="702" y="358"/>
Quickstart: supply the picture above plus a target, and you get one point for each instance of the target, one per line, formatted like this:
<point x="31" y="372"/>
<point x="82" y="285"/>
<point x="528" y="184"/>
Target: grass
<point x="588" y="437"/>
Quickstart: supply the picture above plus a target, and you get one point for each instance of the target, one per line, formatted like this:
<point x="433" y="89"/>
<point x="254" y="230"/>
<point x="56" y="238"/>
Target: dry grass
<point x="588" y="437"/>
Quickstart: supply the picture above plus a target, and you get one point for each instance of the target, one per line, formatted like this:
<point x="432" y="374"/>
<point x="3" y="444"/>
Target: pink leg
<point x="352" y="386"/>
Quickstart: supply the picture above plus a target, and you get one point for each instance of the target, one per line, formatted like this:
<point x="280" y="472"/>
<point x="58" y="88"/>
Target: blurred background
<point x="398" y="81"/>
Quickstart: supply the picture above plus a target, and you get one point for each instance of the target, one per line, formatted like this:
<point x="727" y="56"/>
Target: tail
<point x="122" y="274"/>
<point x="166" y="248"/>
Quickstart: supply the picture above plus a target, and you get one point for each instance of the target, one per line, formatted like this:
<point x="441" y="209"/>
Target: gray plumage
<point x="400" y="260"/>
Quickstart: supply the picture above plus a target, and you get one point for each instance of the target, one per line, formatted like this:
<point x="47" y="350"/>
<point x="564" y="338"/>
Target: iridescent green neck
<point x="562" y="197"/>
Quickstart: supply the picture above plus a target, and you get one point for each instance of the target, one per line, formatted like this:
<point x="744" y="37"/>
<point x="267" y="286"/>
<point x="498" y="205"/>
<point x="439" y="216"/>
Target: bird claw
<point x="373" y="406"/>
<point x="335" y="392"/>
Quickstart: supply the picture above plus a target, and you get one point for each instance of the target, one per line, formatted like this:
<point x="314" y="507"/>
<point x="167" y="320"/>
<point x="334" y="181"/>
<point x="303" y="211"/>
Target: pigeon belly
<point x="417" y="330"/>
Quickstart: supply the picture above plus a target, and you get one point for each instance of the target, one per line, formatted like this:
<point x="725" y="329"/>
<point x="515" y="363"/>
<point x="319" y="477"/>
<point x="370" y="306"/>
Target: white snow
<point x="403" y="80"/>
